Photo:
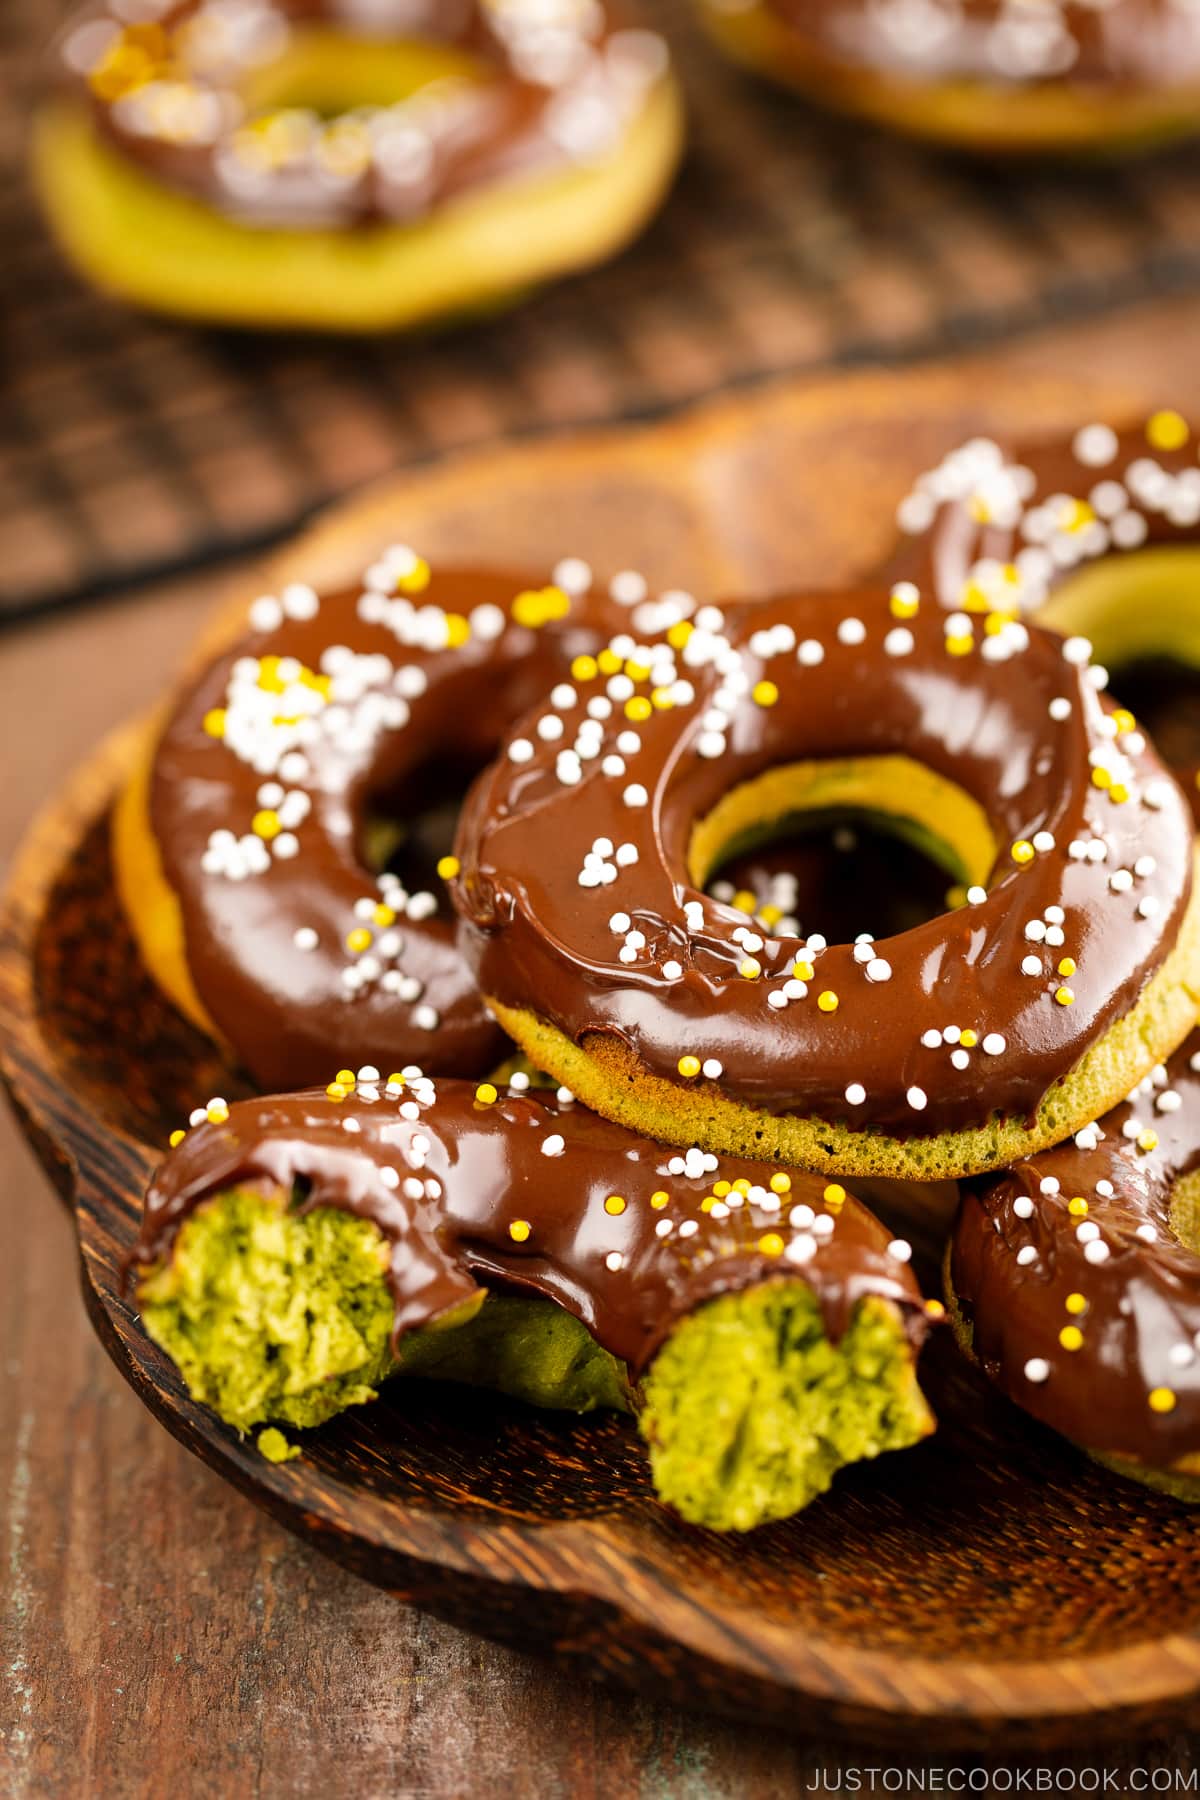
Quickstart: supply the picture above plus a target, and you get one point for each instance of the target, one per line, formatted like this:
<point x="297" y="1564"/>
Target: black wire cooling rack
<point x="131" y="448"/>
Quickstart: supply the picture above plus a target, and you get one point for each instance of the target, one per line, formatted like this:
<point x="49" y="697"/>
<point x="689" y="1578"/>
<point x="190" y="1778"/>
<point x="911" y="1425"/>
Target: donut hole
<point x="845" y="845"/>
<point x="1184" y="1212"/>
<point x="331" y="73"/>
<point x="410" y="826"/>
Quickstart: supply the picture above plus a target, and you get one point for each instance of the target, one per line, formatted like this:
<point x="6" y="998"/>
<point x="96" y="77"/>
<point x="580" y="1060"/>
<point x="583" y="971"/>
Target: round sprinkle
<point x="1023" y="851"/>
<point x="615" y="1204"/>
<point x="781" y="1183"/>
<point x="1167" y="430"/>
<point x="827" y="1001"/>
<point x="917" y="1099"/>
<point x="764" y="693"/>
<point x="1076" y="1303"/>
<point x="1064" y="996"/>
<point x="856" y="1093"/>
<point x="1071" y="1338"/>
<point x="448" y="867"/>
<point x="519" y="1230"/>
<point x="834" y="1194"/>
<point x="1037" y="1369"/>
<point x="993" y="1044"/>
<point x="901" y="1249"/>
<point x="771" y="1244"/>
<point x="554" y="1145"/>
<point x="1161" y="1399"/>
<point x="659" y="1199"/>
<point x="689" y="1067"/>
<point x="485" y="1093"/>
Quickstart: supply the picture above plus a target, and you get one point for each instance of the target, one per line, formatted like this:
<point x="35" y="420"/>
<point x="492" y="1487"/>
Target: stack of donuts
<point x="563" y="1109"/>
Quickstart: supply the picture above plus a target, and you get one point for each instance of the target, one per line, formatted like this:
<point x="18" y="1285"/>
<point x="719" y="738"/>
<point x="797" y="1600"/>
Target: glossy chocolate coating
<point x="1126" y="44"/>
<point x="558" y="87"/>
<point x="284" y="1002"/>
<point x="1140" y="1322"/>
<point x="463" y="1172"/>
<point x="987" y="508"/>
<point x="540" y="938"/>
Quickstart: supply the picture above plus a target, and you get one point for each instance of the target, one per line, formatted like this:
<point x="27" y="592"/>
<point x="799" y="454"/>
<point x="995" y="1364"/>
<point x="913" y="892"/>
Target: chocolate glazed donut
<point x="1096" y="535"/>
<point x="233" y="130"/>
<point x="1073" y="966"/>
<point x="995" y="75"/>
<point x="241" y="842"/>
<point x="1074" y="1281"/>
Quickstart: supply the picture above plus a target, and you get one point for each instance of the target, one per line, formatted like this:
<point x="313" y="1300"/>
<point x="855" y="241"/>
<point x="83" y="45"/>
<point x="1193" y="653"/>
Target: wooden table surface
<point x="158" y="1636"/>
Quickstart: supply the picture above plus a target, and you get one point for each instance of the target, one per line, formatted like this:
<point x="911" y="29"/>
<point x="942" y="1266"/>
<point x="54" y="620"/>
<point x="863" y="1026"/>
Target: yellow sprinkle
<point x="609" y="662"/>
<point x="615" y="1204"/>
<point x="1076" y="1303"/>
<point x="764" y="693"/>
<point x="417" y="579"/>
<point x="679" y="634"/>
<point x="956" y="897"/>
<point x="978" y="510"/>
<point x="1167" y="431"/>
<point x="458" y="630"/>
<point x="527" y="610"/>
<point x="358" y="940"/>
<point x="485" y="1093"/>
<point x="781" y="1183"/>
<point x="708" y="1202"/>
<point x="742" y="1184"/>
<point x="1071" y="1338"/>
<point x="585" y="668"/>
<point x="1077" y="1207"/>
<point x="1023" y="851"/>
<point x="802" y="969"/>
<point x="557" y="602"/>
<point x="934" y="1309"/>
<point x="689" y="1066"/>
<point x="770" y="915"/>
<point x="519" y="1230"/>
<point x="636" y="671"/>
<point x="1067" y="966"/>
<point x="968" y="1039"/>
<point x="1075" y="515"/>
<point x="214" y="722"/>
<point x="448" y="867"/>
<point x="771" y="1244"/>
<point x="1147" y="1140"/>
<point x="659" y="1199"/>
<point x="638" y="709"/>
<point x="828" y="1001"/>
<point x="662" y="698"/>
<point x="973" y="598"/>
<point x="1161" y="1399"/>
<point x="960" y="644"/>
<point x="1118" y="792"/>
<point x="1101" y="778"/>
<point x="1064" y="996"/>
<point x="750" y="969"/>
<point x="384" y="914"/>
<point x="346" y="1077"/>
<point x="744" y="900"/>
<point x="176" y="1137"/>
<point x="1123" y="720"/>
<point x="266" y="824"/>
<point x="835" y="1194"/>
<point x="905" y="606"/>
<point x="395" y="1081"/>
<point x="995" y="622"/>
<point x="721" y="1188"/>
<point x="336" y="1091"/>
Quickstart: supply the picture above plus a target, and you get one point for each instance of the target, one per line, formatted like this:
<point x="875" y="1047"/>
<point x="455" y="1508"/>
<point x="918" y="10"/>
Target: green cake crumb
<point x="274" y="1314"/>
<point x="274" y="1446"/>
<point x="750" y="1409"/>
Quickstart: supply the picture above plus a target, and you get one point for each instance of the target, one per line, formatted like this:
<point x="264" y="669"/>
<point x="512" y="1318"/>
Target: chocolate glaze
<point x="1141" y="1320"/>
<point x="286" y="1009"/>
<point x="987" y="506"/>
<point x="626" y="1283"/>
<point x="555" y="90"/>
<point x="1129" y="44"/>
<point x="540" y="939"/>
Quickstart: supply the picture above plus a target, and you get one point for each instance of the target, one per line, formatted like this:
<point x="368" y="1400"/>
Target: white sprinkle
<point x="917" y="1099"/>
<point x="856" y="1093"/>
<point x="572" y="575"/>
<point x="961" y="1059"/>
<point x="899" y="641"/>
<point x="1037" y="1369"/>
<point x="810" y="653"/>
<point x="932" y="1039"/>
<point x="713" y="1069"/>
<point x="672" y="971"/>
<point x="1148" y="907"/>
<point x="1031" y="966"/>
<point x="613" y="1260"/>
<point x="901" y="1249"/>
<point x="1097" y="1251"/>
<point x="689" y="1228"/>
<point x="993" y="1044"/>
<point x="520" y="750"/>
<point x="1023" y="1206"/>
<point x="635" y="794"/>
<point x="1077" y="650"/>
<point x="426" y="1018"/>
<point x="851" y="631"/>
<point x="879" y="969"/>
<point x="976" y="896"/>
<point x="1060" y="708"/>
<point x="1026" y="1254"/>
<point x="554" y="1145"/>
<point x="305" y="938"/>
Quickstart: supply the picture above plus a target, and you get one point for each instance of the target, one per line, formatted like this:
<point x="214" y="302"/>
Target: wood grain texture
<point x="466" y="1504"/>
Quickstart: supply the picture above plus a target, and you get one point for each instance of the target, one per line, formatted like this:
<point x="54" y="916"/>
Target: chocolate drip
<point x="536" y="1197"/>
<point x="1025" y="1268"/>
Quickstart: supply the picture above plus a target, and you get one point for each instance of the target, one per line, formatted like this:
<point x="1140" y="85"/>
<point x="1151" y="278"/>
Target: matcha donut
<point x="995" y="76"/>
<point x="1074" y="1281"/>
<point x="1096" y="535"/>
<point x="351" y="165"/>
<point x="763" y="1326"/>
<point x="1071" y="969"/>
<point x="250" y="841"/>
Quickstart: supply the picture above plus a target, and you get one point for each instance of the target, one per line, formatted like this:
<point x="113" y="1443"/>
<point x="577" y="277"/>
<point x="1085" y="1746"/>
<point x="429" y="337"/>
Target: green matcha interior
<point x="1184" y="1211"/>
<point x="275" y="1314"/>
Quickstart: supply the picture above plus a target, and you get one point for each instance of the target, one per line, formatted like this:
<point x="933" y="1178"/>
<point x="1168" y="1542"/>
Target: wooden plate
<point x="991" y="1587"/>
